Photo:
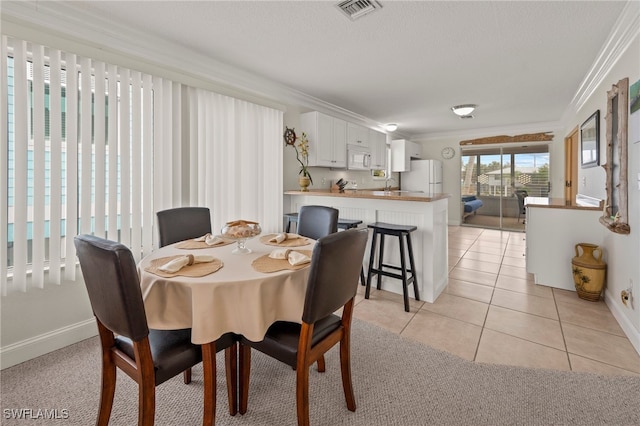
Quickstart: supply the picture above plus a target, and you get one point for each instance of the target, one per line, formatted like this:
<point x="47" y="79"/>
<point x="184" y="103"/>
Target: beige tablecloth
<point x="236" y="298"/>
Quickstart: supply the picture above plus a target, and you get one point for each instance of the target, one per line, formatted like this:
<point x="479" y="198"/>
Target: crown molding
<point x="624" y="31"/>
<point x="70" y="21"/>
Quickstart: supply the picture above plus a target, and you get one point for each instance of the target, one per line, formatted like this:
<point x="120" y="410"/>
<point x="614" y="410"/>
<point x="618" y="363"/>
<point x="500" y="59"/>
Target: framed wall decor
<point x="590" y="141"/>
<point x="615" y="215"/>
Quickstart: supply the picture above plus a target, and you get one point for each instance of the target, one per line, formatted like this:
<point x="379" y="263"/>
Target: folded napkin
<point x="294" y="257"/>
<point x="283" y="236"/>
<point x="175" y="265"/>
<point x="282" y="253"/>
<point x="209" y="240"/>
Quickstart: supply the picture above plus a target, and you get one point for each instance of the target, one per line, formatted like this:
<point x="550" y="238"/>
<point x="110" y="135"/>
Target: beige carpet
<point x="397" y="382"/>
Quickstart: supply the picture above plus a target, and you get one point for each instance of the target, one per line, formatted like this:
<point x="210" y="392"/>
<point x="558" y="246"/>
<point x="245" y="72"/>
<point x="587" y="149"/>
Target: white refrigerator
<point x="425" y="176"/>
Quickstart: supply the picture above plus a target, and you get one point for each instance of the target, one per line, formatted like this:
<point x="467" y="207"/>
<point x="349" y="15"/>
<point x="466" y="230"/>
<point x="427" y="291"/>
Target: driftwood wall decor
<point x="529" y="137"/>
<point x="615" y="214"/>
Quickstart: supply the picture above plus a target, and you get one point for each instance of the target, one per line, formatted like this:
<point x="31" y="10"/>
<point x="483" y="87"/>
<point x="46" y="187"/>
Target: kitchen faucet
<point x="387" y="183"/>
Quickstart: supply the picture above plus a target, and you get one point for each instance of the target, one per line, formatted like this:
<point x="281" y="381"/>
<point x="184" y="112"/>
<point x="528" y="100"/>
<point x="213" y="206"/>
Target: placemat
<point x="195" y="270"/>
<point x="266" y="264"/>
<point x="192" y="244"/>
<point x="296" y="242"/>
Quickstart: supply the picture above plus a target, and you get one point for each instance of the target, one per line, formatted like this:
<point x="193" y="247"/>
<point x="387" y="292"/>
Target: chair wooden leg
<point x="231" y="369"/>
<point x="146" y="383"/>
<point x="108" y="391"/>
<point x="245" y="374"/>
<point x="302" y="395"/>
<point x="108" y="374"/>
<point x="321" y="364"/>
<point x="345" y="356"/>
<point x="186" y="376"/>
<point x="147" y="403"/>
<point x="209" y="373"/>
<point x="303" y="363"/>
<point x="345" y="371"/>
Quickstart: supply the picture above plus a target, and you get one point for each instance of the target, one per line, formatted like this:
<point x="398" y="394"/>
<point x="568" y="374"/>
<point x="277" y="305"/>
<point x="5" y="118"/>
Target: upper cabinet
<point x="378" y="143"/>
<point x="402" y="151"/>
<point x="357" y="135"/>
<point x="327" y="139"/>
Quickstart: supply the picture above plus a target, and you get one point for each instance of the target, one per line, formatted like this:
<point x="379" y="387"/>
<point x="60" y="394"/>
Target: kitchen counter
<point x="396" y="195"/>
<point x="428" y="212"/>
<point x="556" y="203"/>
<point x="553" y="229"/>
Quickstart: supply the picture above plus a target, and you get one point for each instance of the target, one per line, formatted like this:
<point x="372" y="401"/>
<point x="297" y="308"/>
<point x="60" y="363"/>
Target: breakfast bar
<point x="426" y="211"/>
<point x="552" y="219"/>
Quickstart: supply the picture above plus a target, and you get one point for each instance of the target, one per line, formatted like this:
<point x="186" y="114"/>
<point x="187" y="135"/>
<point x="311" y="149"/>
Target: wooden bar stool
<point x="402" y="232"/>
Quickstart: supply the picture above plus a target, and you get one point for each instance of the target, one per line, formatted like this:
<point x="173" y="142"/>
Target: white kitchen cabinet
<point x="378" y="143"/>
<point x="402" y="152"/>
<point x="357" y="135"/>
<point x="327" y="139"/>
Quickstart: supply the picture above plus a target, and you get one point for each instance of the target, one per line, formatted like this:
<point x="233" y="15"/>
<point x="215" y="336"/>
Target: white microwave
<point x="358" y="157"/>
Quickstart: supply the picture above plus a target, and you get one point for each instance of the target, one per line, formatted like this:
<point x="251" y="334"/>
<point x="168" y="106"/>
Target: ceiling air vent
<point x="355" y="9"/>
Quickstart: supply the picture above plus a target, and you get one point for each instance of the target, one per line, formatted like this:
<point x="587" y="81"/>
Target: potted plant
<point x="302" y="155"/>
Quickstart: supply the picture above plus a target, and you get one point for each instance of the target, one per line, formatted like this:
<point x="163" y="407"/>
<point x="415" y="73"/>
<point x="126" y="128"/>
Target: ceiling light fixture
<point x="391" y="127"/>
<point x="463" y="110"/>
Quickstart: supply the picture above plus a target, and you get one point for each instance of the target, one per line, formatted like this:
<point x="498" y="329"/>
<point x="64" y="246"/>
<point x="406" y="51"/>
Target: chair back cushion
<point x="111" y="278"/>
<point x="317" y="221"/>
<point x="334" y="273"/>
<point x="521" y="194"/>
<point x="183" y="223"/>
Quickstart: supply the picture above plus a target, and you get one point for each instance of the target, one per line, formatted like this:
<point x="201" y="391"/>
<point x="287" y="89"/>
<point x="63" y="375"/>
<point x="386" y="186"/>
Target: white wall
<point x="622" y="251"/>
<point x="43" y="320"/>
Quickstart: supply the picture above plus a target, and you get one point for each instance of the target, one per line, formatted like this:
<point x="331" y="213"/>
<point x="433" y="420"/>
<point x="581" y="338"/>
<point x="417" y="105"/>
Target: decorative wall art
<point x="590" y="141"/>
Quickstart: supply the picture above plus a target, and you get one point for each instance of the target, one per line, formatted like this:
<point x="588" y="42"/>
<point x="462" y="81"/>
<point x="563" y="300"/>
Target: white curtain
<point x="77" y="157"/>
<point x="237" y="167"/>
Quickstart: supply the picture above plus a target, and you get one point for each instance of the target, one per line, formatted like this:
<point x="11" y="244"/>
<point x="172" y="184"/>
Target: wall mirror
<point x="615" y="214"/>
<point x="590" y="141"/>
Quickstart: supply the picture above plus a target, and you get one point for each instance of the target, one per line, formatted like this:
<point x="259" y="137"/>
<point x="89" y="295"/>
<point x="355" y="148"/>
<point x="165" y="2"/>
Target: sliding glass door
<point x="495" y="181"/>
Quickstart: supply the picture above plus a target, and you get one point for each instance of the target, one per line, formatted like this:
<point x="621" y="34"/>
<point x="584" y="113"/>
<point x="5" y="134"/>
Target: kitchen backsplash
<point x="323" y="177"/>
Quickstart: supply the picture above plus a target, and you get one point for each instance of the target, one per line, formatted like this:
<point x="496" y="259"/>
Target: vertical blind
<point x="78" y="158"/>
<point x="91" y="147"/>
<point x="238" y="168"/>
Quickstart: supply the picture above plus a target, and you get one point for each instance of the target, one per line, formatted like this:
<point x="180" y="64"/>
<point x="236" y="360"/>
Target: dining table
<point x="239" y="293"/>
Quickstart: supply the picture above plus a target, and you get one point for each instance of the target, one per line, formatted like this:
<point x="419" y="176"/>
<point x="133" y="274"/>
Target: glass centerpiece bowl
<point x="240" y="231"/>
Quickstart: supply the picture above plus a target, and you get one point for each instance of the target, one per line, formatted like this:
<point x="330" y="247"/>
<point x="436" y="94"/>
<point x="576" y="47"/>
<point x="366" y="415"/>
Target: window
<point x="498" y="176"/>
<point x="499" y="173"/>
<point x="78" y="136"/>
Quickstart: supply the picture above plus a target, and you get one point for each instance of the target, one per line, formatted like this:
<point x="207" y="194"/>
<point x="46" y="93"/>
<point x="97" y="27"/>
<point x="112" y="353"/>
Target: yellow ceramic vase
<point x="589" y="271"/>
<point x="304" y="183"/>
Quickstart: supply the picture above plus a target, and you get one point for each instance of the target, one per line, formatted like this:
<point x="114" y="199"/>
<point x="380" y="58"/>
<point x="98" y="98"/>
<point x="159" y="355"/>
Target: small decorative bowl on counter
<point x="240" y="231"/>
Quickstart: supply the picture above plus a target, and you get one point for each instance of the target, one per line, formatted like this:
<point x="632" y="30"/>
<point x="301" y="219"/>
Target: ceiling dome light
<point x="391" y="127"/>
<point x="463" y="110"/>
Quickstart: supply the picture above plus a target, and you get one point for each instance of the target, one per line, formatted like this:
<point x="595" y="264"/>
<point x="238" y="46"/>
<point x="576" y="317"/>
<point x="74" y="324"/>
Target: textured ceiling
<point x="408" y="63"/>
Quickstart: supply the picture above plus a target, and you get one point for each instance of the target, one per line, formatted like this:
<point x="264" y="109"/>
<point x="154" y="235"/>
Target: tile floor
<point x="492" y="312"/>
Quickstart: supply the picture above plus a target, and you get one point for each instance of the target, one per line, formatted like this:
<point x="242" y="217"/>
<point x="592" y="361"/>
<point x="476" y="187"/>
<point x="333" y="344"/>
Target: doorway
<point x="500" y="177"/>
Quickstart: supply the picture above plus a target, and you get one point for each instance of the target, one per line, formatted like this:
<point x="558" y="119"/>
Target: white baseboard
<point x="25" y="350"/>
<point x="632" y="334"/>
